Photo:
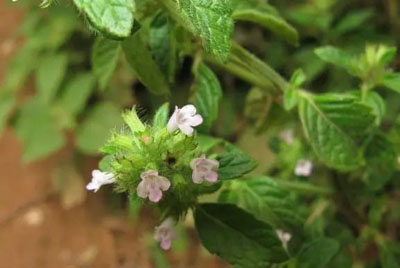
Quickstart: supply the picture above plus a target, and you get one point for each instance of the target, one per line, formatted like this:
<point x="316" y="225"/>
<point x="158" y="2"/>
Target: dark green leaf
<point x="234" y="164"/>
<point x="318" y="253"/>
<point x="111" y="17"/>
<point x="105" y="54"/>
<point x="392" y="81"/>
<point x="333" y="124"/>
<point x="141" y="61"/>
<point x="206" y="96"/>
<point x="355" y="19"/>
<point x="237" y="236"/>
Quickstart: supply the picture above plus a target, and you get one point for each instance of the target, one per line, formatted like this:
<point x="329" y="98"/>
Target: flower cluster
<point x="153" y="162"/>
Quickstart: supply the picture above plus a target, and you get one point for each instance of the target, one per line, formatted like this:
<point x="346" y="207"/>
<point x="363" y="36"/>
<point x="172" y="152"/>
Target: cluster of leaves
<point x="346" y="210"/>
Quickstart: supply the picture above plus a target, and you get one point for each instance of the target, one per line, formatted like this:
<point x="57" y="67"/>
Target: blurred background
<point x="54" y="117"/>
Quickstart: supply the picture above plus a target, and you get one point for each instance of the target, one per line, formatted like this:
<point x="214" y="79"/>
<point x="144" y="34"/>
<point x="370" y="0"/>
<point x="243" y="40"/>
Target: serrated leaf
<point x="212" y="22"/>
<point x="318" y="253"/>
<point x="333" y="124"/>
<point x="95" y="129"/>
<point x="339" y="58"/>
<point x="163" y="44"/>
<point x="105" y="54"/>
<point x="392" y="81"/>
<point x="146" y="69"/>
<point x="269" y="20"/>
<point x="38" y="131"/>
<point x="161" y="117"/>
<point x="267" y="201"/>
<point x="49" y="75"/>
<point x="76" y="93"/>
<point x="237" y="237"/>
<point x="380" y="155"/>
<point x="234" y="164"/>
<point x="111" y="17"/>
<point x="207" y="93"/>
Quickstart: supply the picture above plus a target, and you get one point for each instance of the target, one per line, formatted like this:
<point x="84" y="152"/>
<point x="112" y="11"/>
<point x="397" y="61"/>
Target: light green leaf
<point x="378" y="105"/>
<point x="333" y="124"/>
<point x="161" y="117"/>
<point x="339" y="58"/>
<point x="49" y="75"/>
<point x="211" y="20"/>
<point x="237" y="237"/>
<point x="206" y="143"/>
<point x="392" y="81"/>
<point x="267" y="201"/>
<point x="105" y="54"/>
<point x="111" y="17"/>
<point x="290" y="96"/>
<point x="234" y="164"/>
<point x="37" y="129"/>
<point x="207" y="93"/>
<point x="95" y="129"/>
<point x="76" y="93"/>
<point x="318" y="253"/>
<point x="163" y="44"/>
<point x="146" y="69"/>
<point x="269" y="20"/>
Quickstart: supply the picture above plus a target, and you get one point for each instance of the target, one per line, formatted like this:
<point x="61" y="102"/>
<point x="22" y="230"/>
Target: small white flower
<point x="165" y="233"/>
<point x="184" y="119"/>
<point x="99" y="179"/>
<point x="284" y="237"/>
<point x="287" y="136"/>
<point x="204" y="169"/>
<point x="303" y="168"/>
<point x="152" y="185"/>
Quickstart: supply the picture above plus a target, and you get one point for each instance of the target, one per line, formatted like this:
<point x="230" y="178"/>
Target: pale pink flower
<point x="287" y="136"/>
<point x="184" y="119"/>
<point x="284" y="237"/>
<point x="303" y="168"/>
<point x="204" y="169"/>
<point x="165" y="233"/>
<point x="152" y="185"/>
<point x="99" y="179"/>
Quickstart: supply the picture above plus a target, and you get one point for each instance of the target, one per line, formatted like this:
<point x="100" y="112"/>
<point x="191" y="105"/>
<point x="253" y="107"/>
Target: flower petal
<point x="188" y="110"/>
<point x="196" y="120"/>
<point x="197" y="177"/>
<point x="163" y="183"/>
<point x="212" y="176"/>
<point x="165" y="244"/>
<point x="142" y="189"/>
<point x="173" y="123"/>
<point x="155" y="195"/>
<point x="186" y="129"/>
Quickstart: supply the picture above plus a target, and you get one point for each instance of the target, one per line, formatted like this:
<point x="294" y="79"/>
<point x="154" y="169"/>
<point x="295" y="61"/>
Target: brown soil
<point x="35" y="229"/>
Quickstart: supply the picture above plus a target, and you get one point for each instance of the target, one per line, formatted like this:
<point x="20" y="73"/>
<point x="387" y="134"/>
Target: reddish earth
<point x="35" y="229"/>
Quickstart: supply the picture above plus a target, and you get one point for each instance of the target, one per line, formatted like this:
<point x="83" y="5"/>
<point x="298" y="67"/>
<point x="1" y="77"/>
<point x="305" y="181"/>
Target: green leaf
<point x="269" y="20"/>
<point x="76" y="93"/>
<point x="237" y="237"/>
<point x="381" y="157"/>
<point x="95" y="129"/>
<point x="267" y="201"/>
<point x="318" y="253"/>
<point x="339" y="58"/>
<point x="290" y="96"/>
<point x="207" y="93"/>
<point x="146" y="69"/>
<point x="37" y="129"/>
<point x="333" y="124"/>
<point x="387" y="255"/>
<point x="234" y="164"/>
<point x="111" y="17"/>
<point x="49" y="75"/>
<point x="133" y="121"/>
<point x="7" y="102"/>
<point x="206" y="143"/>
<point x="378" y="105"/>
<point x="211" y="20"/>
<point x="163" y="44"/>
<point x="352" y="21"/>
<point x="392" y="81"/>
<point x="105" y="54"/>
<point x="161" y="117"/>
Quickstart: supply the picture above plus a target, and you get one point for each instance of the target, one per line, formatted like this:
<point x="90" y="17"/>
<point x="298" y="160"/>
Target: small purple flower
<point x="303" y="168"/>
<point x="152" y="185"/>
<point x="165" y="233"/>
<point x="204" y="169"/>
<point x="99" y="179"/>
<point x="184" y="119"/>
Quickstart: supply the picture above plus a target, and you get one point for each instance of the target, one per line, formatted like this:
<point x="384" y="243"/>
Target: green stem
<point x="305" y="187"/>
